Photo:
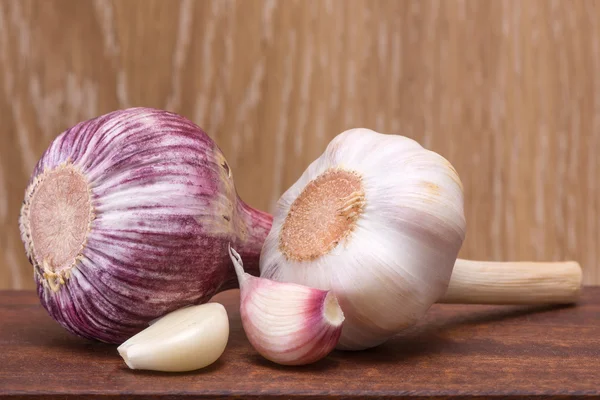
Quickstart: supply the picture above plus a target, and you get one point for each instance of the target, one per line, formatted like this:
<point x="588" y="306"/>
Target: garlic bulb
<point x="128" y="216"/>
<point x="377" y="219"/>
<point x="287" y="323"/>
<point x="183" y="340"/>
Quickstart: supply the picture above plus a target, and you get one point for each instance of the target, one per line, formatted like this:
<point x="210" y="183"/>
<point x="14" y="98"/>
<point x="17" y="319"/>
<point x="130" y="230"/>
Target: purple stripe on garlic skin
<point x="164" y="210"/>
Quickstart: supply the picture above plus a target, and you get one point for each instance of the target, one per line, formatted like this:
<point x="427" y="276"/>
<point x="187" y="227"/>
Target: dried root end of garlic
<point x="56" y="218"/>
<point x="323" y="215"/>
<point x="286" y="323"/>
<point x="184" y="340"/>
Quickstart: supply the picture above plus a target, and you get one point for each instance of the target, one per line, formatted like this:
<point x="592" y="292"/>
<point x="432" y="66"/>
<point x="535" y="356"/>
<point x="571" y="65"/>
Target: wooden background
<point x="508" y="91"/>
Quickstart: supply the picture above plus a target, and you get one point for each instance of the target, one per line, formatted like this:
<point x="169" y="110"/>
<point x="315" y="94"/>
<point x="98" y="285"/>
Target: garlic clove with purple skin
<point x="127" y="217"/>
<point x="286" y="323"/>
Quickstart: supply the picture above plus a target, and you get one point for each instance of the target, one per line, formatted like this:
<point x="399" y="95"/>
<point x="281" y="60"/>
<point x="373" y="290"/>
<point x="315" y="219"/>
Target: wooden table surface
<point x="456" y="351"/>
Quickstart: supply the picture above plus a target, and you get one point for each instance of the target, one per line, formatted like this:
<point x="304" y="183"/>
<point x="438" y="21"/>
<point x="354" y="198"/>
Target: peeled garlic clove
<point x="286" y="323"/>
<point x="378" y="220"/>
<point x="127" y="217"/>
<point x="184" y="340"/>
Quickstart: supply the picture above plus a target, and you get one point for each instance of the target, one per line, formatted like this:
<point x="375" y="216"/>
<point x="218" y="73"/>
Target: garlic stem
<point x="183" y="340"/>
<point x="479" y="282"/>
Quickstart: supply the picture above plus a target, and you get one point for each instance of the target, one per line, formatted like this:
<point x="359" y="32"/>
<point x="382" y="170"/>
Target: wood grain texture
<point x="455" y="352"/>
<point x="508" y="91"/>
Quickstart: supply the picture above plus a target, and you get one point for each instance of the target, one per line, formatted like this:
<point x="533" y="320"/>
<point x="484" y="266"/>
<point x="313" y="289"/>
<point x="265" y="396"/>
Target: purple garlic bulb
<point x="128" y="217"/>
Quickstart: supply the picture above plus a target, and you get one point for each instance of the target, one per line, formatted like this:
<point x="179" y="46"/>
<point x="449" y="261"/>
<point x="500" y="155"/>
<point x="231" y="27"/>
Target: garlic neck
<point x="325" y="213"/>
<point x="252" y="229"/>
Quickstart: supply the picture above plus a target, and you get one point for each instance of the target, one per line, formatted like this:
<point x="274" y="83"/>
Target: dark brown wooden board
<point x="455" y="352"/>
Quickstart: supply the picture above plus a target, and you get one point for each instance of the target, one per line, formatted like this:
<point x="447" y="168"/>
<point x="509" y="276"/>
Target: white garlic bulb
<point x="378" y="220"/>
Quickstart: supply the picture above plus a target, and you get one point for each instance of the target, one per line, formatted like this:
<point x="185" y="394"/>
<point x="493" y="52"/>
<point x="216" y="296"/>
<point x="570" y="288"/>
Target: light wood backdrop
<point x="508" y="91"/>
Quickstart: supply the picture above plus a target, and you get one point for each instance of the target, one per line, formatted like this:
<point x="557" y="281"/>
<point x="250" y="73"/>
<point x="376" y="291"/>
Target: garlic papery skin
<point x="127" y="217"/>
<point x="286" y="323"/>
<point x="183" y="340"/>
<point x="378" y="220"/>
